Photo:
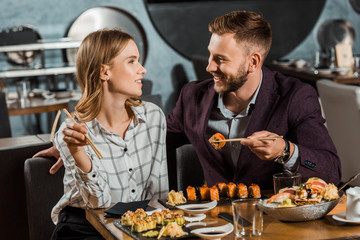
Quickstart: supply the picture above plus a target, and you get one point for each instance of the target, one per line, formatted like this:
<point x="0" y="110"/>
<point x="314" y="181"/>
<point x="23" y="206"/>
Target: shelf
<point x="37" y="72"/>
<point x="63" y="43"/>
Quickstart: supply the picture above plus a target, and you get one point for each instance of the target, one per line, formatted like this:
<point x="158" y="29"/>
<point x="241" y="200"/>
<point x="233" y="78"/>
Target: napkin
<point x="121" y="207"/>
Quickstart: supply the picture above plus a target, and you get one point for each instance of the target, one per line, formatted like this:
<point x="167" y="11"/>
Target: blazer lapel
<point x="260" y="116"/>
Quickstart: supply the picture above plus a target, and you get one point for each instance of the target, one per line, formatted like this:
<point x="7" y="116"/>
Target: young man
<point x="245" y="99"/>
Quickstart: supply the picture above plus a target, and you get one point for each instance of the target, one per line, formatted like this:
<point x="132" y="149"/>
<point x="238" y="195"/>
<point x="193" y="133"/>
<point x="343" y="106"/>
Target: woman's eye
<point x="131" y="61"/>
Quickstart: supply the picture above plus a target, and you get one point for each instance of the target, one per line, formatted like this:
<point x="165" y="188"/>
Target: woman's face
<point x="126" y="72"/>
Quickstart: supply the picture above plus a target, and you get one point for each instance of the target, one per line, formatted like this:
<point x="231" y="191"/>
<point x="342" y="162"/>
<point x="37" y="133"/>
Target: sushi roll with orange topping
<point x="204" y="192"/>
<point x="214" y="141"/>
<point x="231" y="190"/>
<point x="242" y="191"/>
<point x="214" y="193"/>
<point x="254" y="191"/>
<point x="191" y="193"/>
<point x="222" y="188"/>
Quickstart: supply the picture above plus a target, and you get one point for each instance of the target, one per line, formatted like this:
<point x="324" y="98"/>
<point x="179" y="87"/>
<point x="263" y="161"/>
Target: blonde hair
<point x="248" y="27"/>
<point x="97" y="48"/>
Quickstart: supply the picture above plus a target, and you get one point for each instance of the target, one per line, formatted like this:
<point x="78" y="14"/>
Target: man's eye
<point x="132" y="61"/>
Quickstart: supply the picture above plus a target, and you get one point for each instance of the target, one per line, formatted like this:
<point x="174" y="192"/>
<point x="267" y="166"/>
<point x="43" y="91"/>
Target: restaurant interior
<point x="316" y="41"/>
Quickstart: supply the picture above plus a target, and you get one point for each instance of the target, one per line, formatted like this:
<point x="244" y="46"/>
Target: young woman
<point x="129" y="134"/>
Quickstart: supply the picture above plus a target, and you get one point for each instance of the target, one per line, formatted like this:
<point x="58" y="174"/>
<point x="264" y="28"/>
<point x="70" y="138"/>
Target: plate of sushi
<point x="163" y="224"/>
<point x="309" y="201"/>
<point x="223" y="193"/>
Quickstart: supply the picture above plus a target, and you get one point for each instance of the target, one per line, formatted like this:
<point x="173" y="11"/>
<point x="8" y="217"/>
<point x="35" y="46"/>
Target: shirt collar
<point x="139" y="117"/>
<point x="247" y="111"/>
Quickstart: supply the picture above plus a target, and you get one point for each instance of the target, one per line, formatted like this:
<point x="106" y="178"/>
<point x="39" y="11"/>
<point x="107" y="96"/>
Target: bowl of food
<point x="292" y="207"/>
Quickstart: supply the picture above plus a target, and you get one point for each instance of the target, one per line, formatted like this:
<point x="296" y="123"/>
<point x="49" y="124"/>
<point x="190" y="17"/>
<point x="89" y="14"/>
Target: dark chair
<point x="5" y="130"/>
<point x="14" y="222"/>
<point x="189" y="170"/>
<point x="43" y="191"/>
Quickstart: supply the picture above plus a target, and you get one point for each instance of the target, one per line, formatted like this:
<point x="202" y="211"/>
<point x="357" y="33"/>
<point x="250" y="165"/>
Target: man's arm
<point x="51" y="152"/>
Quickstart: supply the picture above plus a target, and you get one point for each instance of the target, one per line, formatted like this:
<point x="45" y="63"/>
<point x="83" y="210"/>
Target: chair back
<point x="189" y="171"/>
<point x="5" y="130"/>
<point x="341" y="107"/>
<point x="43" y="191"/>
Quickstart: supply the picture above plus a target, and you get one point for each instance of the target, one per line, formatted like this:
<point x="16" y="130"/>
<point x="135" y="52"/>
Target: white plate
<point x="213" y="232"/>
<point x="196" y="209"/>
<point x="195" y="218"/>
<point x="342" y="218"/>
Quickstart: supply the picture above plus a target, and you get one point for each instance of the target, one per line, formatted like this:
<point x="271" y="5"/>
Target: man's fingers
<point x="59" y="163"/>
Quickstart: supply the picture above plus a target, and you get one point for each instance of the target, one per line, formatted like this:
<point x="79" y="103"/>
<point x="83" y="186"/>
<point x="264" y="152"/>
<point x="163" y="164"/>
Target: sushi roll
<point x="140" y="214"/>
<point x="242" y="191"/>
<point x="179" y="219"/>
<point x="158" y="217"/>
<point x="254" y="191"/>
<point x="150" y="223"/>
<point x="204" y="193"/>
<point x="214" y="193"/>
<point x="222" y="189"/>
<point x="191" y="193"/>
<point x="139" y="226"/>
<point x="128" y="218"/>
<point x="168" y="218"/>
<point x="231" y="190"/>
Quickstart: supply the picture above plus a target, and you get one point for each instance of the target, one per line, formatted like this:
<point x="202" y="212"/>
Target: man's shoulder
<point x="285" y="83"/>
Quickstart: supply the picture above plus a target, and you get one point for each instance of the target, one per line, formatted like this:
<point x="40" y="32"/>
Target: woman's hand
<point x="74" y="136"/>
<point x="266" y="149"/>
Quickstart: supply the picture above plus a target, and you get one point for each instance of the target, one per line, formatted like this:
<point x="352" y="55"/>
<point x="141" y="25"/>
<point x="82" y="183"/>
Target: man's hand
<point x="51" y="152"/>
<point x="266" y="149"/>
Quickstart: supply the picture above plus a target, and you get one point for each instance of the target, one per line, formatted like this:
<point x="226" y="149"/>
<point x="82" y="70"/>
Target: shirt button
<point x="130" y="169"/>
<point x="94" y="175"/>
<point x="132" y="190"/>
<point x="125" y="149"/>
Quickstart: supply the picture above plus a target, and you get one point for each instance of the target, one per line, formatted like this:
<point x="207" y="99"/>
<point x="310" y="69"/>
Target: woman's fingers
<point x="75" y="134"/>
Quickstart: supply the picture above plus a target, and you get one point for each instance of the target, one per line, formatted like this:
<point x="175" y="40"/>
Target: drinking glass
<point x="283" y="180"/>
<point x="248" y="218"/>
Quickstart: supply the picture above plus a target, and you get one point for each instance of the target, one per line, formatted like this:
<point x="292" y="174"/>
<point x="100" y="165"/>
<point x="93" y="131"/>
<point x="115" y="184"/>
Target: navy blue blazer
<point x="284" y="105"/>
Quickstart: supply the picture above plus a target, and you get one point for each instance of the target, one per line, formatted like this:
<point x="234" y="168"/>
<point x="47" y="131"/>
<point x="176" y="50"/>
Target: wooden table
<point x="325" y="228"/>
<point x="37" y="105"/>
<point x="308" y="75"/>
<point x="24" y="140"/>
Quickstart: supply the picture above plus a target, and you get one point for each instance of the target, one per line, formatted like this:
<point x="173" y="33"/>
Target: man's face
<point x="227" y="63"/>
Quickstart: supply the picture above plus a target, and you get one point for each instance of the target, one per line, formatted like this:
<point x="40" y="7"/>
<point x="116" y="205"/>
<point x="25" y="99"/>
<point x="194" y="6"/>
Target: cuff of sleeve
<point x="292" y="164"/>
<point x="90" y="176"/>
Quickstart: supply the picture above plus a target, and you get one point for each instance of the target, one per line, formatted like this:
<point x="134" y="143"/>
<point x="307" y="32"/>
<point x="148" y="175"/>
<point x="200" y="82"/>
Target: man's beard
<point x="232" y="83"/>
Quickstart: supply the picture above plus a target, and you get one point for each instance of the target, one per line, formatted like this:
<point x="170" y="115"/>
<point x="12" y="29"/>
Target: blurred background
<point x="172" y="37"/>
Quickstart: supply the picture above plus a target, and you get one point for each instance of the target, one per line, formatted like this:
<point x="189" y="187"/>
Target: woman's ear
<point x="104" y="72"/>
<point x="255" y="60"/>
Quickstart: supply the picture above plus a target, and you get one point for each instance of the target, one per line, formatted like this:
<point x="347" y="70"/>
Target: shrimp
<point x="280" y="197"/>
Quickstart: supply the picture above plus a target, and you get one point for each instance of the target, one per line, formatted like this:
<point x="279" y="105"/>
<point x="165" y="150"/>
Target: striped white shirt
<point x="133" y="168"/>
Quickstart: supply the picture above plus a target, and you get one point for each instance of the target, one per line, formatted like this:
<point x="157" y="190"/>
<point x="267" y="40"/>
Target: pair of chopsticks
<point x="241" y="139"/>
<point x="97" y="152"/>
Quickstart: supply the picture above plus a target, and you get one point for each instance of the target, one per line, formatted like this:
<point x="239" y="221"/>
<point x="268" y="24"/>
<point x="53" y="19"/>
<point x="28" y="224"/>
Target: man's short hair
<point x="248" y="27"/>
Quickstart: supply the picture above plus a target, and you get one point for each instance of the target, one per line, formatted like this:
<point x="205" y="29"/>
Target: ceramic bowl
<point x="213" y="232"/>
<point x="299" y="213"/>
<point x="197" y="209"/>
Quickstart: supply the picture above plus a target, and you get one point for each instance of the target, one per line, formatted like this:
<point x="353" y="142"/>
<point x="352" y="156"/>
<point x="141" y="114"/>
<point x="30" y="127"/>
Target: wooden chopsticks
<point x="90" y="142"/>
<point x="241" y="139"/>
